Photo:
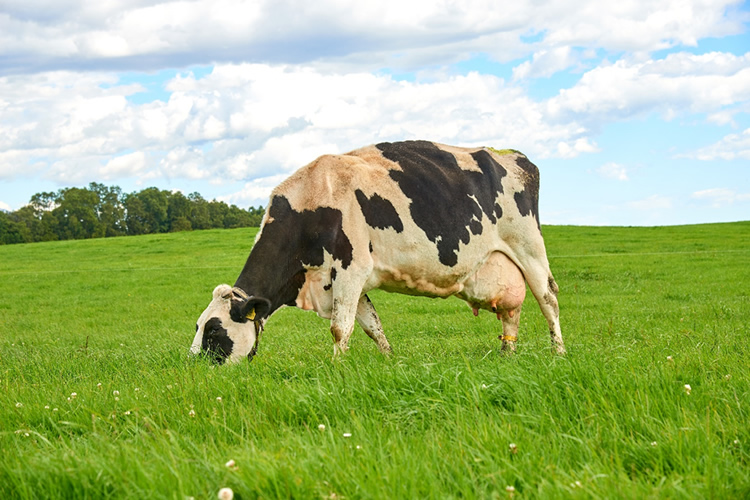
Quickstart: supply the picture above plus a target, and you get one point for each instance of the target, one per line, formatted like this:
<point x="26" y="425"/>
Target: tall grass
<point x="645" y="311"/>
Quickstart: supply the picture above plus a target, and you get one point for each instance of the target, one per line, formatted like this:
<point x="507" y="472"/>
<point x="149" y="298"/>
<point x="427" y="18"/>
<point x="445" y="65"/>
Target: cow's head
<point x="229" y="328"/>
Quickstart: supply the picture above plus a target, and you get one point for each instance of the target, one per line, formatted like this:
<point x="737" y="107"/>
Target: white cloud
<point x="546" y="63"/>
<point x="731" y="147"/>
<point x="652" y="203"/>
<point x="254" y="193"/>
<point x="626" y="88"/>
<point x="245" y="121"/>
<point x="5" y="206"/>
<point x="613" y="170"/>
<point x="126" y="34"/>
<point x="720" y="197"/>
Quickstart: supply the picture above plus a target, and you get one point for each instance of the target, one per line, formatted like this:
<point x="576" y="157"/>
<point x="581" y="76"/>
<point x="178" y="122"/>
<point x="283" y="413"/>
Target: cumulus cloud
<point x="546" y="63"/>
<point x="654" y="202"/>
<point x="731" y="147"/>
<point x="120" y="34"/>
<point x="679" y="83"/>
<point x="246" y="121"/>
<point x="720" y="197"/>
<point x="613" y="170"/>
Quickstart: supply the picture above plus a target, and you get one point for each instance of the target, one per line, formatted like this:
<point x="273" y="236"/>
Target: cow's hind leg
<point x="545" y="289"/>
<point x="369" y="320"/>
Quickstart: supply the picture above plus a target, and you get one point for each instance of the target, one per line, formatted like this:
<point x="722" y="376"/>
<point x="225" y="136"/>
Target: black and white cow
<point x="411" y="217"/>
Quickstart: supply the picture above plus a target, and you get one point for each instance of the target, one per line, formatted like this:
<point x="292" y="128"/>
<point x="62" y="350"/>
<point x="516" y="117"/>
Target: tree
<point x="178" y="212"/>
<point x="110" y="209"/>
<point x="200" y="214"/>
<point x="146" y="211"/>
<point x="76" y="214"/>
<point x="12" y="231"/>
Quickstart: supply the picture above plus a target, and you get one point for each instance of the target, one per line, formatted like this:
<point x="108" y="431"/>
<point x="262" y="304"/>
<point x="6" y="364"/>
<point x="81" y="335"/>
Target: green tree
<point x="76" y="214"/>
<point x="200" y="214"/>
<point x="178" y="212"/>
<point x="110" y="209"/>
<point x="218" y="211"/>
<point x="146" y="211"/>
<point x="12" y="231"/>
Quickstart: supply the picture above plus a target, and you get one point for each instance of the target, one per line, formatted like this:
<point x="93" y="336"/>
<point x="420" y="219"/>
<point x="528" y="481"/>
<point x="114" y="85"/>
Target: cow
<point x="413" y="217"/>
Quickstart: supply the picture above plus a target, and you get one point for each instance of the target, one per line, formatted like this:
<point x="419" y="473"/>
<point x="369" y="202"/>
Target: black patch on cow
<point x="333" y="278"/>
<point x="475" y="226"/>
<point x="379" y="212"/>
<point x="444" y="198"/>
<point x="275" y="268"/>
<point x="527" y="200"/>
<point x="371" y="247"/>
<point x="216" y="343"/>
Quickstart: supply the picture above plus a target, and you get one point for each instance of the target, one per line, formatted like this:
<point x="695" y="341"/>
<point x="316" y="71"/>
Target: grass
<point x="612" y="419"/>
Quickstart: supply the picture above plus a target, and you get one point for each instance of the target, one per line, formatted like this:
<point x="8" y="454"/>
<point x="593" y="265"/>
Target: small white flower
<point x="513" y="448"/>
<point x="19" y="405"/>
<point x="218" y="398"/>
<point x="191" y="413"/>
<point x="727" y="376"/>
<point x="321" y="427"/>
<point x="654" y="443"/>
<point x="359" y="447"/>
<point x="169" y="387"/>
<point x="230" y="464"/>
<point x="484" y="386"/>
<point x="122" y="345"/>
<point x="116" y="393"/>
<point x="46" y="407"/>
<point x="73" y="395"/>
<point x="347" y="434"/>
<point x="68" y="398"/>
<point x="670" y="359"/>
<point x="26" y="434"/>
<point x="510" y="489"/>
<point x="54" y="409"/>
<point x="99" y="385"/>
<point x="578" y="483"/>
<point x="687" y="389"/>
<point x="116" y="398"/>
<point x="137" y="389"/>
<point x="226" y="494"/>
<point x="736" y="442"/>
<point x="127" y="412"/>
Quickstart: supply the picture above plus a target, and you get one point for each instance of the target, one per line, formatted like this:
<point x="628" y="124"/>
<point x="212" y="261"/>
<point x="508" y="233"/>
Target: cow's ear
<point x="254" y="309"/>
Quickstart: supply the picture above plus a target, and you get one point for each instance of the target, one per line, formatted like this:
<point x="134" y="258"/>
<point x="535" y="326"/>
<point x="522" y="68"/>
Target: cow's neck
<point x="270" y="273"/>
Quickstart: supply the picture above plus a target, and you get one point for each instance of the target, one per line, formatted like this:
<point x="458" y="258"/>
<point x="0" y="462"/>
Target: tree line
<point x="100" y="211"/>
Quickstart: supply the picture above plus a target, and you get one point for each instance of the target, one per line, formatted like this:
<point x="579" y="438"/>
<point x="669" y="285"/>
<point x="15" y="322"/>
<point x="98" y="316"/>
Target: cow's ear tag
<point x="251" y="314"/>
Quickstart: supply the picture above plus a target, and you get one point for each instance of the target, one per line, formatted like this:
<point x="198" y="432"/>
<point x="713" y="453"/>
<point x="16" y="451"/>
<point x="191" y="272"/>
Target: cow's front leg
<point x="342" y="323"/>
<point x="369" y="320"/>
<point x="510" y="320"/>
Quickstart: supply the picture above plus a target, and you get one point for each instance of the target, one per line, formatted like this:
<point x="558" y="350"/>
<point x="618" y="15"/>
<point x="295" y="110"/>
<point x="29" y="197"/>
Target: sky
<point x="636" y="112"/>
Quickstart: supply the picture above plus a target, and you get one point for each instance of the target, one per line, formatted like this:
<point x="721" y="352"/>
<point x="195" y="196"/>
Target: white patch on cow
<point x="463" y="157"/>
<point x="313" y="296"/>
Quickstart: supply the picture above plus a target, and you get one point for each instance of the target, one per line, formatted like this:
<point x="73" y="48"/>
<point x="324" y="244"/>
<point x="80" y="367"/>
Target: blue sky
<point x="637" y="113"/>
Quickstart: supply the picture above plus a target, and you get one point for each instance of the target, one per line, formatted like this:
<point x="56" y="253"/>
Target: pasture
<point x="98" y="398"/>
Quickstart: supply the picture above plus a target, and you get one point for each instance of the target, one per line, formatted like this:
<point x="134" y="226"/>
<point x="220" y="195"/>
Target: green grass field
<point x="98" y="398"/>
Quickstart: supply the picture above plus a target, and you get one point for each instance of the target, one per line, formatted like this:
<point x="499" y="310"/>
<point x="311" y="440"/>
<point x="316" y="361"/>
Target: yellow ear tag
<point x="251" y="315"/>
